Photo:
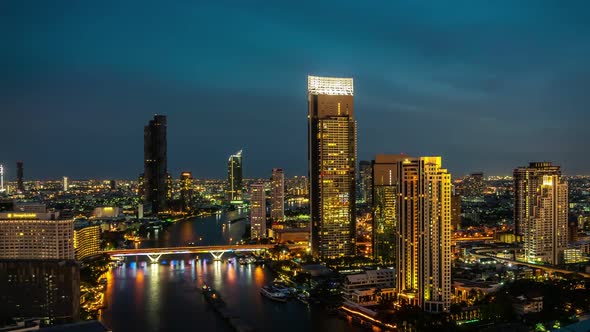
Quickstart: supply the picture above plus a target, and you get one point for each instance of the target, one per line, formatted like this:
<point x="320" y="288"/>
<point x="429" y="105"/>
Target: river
<point x="166" y="297"/>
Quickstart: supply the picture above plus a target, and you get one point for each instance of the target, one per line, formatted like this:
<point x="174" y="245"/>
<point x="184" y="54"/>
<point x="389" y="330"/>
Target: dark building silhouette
<point x="20" y="186"/>
<point x="155" y="163"/>
<point x="47" y="289"/>
<point x="332" y="166"/>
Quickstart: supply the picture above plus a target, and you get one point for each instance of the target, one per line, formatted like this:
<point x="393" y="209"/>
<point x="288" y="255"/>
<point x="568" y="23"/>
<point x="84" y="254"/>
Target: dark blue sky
<point x="489" y="85"/>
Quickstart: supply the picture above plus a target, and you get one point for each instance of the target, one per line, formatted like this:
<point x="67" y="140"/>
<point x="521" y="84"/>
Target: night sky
<point x="489" y="85"/>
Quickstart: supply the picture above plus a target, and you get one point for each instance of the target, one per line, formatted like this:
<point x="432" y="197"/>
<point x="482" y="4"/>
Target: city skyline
<point x="96" y="71"/>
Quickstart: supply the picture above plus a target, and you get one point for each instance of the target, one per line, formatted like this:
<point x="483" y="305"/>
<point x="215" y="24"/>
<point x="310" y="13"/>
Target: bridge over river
<point x="216" y="251"/>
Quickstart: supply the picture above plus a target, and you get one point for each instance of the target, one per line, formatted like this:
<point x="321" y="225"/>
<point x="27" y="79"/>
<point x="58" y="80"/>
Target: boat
<point x="273" y="294"/>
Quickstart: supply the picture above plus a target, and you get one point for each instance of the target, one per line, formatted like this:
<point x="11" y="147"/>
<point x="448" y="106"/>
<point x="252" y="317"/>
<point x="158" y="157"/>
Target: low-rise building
<point x="525" y="305"/>
<point x="369" y="287"/>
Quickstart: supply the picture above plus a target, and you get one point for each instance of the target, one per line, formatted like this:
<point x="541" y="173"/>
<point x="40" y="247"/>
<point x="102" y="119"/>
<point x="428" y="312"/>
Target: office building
<point x="546" y="230"/>
<point x="257" y="211"/>
<point x="384" y="186"/>
<point x="65" y="184"/>
<point x="186" y="190"/>
<point x="27" y="235"/>
<point x="423" y="236"/>
<point x="332" y="166"/>
<point x="20" y="186"/>
<point x="365" y="182"/>
<point x="277" y="183"/>
<point x="155" y="172"/>
<point x="86" y="240"/>
<point x="46" y="289"/>
<point x="234" y="177"/>
<point x="527" y="181"/>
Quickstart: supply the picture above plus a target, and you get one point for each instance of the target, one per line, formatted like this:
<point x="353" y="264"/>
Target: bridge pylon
<point x="217" y="255"/>
<point x="154" y="258"/>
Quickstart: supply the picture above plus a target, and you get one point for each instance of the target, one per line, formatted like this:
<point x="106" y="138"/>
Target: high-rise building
<point x="527" y="181"/>
<point x="332" y="165"/>
<point x="155" y="172"/>
<point x="234" y="177"/>
<point x="423" y="236"/>
<point x="541" y="210"/>
<point x="277" y="183"/>
<point x="186" y="190"/>
<point x="86" y="240"/>
<point x="65" y="184"/>
<point x="47" y="289"/>
<point x="385" y="188"/>
<point x="28" y="235"/>
<point x="365" y="181"/>
<point x="257" y="211"/>
<point x="20" y="186"/>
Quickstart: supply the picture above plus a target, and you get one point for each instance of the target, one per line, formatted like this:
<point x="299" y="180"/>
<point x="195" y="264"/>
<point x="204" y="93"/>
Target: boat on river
<point x="273" y="294"/>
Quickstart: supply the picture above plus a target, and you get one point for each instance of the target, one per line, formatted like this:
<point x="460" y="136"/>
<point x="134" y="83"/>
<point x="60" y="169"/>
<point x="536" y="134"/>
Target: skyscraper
<point x="20" y="186"/>
<point x="423" y="236"/>
<point x="186" y="190"/>
<point x="541" y="201"/>
<point x="332" y="165"/>
<point x="365" y="181"/>
<point x="234" y="177"/>
<point x="384" y="201"/>
<point x="527" y="181"/>
<point x="257" y="211"/>
<point x="277" y="183"/>
<point x="65" y="184"/>
<point x="155" y="163"/>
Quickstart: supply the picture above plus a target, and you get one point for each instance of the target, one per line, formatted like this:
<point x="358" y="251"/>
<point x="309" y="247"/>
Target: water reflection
<point x="166" y="296"/>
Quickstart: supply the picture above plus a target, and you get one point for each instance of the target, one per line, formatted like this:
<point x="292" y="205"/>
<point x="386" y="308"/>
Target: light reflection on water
<point x="166" y="297"/>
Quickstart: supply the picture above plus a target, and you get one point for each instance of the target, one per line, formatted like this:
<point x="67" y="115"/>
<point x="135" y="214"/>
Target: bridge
<point x="216" y="251"/>
<point x="483" y="253"/>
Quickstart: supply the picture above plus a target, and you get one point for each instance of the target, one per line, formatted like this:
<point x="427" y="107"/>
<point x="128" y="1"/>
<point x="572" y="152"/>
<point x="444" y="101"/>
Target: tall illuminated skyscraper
<point x="332" y="165"/>
<point x="66" y="185"/>
<point x="527" y="180"/>
<point x="234" y="177"/>
<point x="155" y="163"/>
<point x="277" y="183"/>
<point x="541" y="211"/>
<point x="423" y="236"/>
<point x="384" y="200"/>
<point x="19" y="177"/>
<point x="257" y="211"/>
